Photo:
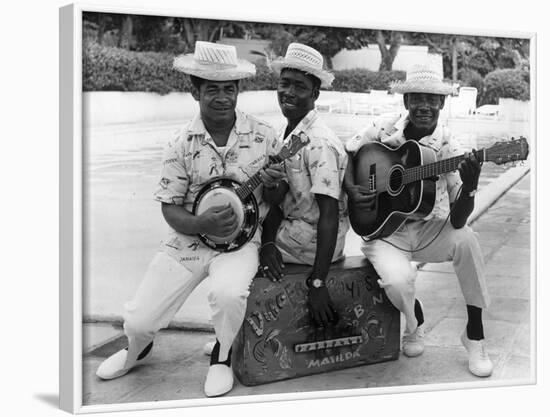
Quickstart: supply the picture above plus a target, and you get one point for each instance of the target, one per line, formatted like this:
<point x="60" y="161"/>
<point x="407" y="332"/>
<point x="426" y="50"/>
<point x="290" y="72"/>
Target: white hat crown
<point x="424" y="73"/>
<point x="423" y="78"/>
<point x="215" y="53"/>
<point x="304" y="54"/>
<point x="214" y="61"/>
<point x="304" y="58"/>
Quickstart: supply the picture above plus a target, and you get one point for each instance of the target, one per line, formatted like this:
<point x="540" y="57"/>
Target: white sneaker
<point x="219" y="380"/>
<point x="413" y="343"/>
<point x="479" y="362"/>
<point x="114" y="366"/>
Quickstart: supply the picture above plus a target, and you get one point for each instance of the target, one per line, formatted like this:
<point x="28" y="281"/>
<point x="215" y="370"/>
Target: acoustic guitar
<point x="223" y="190"/>
<point x="404" y="181"/>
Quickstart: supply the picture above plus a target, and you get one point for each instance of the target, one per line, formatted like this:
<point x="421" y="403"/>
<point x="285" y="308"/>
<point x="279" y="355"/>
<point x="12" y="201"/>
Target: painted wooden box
<point x="278" y="339"/>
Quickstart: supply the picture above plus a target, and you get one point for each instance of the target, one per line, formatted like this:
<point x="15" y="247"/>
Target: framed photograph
<point x="140" y="292"/>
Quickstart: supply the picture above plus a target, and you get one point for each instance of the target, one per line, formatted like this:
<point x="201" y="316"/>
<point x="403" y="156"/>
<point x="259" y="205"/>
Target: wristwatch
<point x="472" y="193"/>
<point x="315" y="282"/>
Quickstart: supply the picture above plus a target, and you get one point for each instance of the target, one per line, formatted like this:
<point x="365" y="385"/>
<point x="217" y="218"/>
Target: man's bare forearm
<point x="327" y="233"/>
<point x="349" y="175"/>
<point x="274" y="196"/>
<point x="181" y="220"/>
<point x="271" y="224"/>
<point x="461" y="210"/>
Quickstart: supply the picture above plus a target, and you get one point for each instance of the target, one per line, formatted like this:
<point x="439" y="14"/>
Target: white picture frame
<point x="71" y="224"/>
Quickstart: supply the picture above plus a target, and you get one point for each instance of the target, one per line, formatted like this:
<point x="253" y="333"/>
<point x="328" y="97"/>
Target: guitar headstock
<point x="508" y="151"/>
<point x="292" y="147"/>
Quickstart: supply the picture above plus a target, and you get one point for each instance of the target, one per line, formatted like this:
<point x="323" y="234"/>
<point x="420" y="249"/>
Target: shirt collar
<point x="304" y="124"/>
<point x="242" y="126"/>
<point x="398" y="136"/>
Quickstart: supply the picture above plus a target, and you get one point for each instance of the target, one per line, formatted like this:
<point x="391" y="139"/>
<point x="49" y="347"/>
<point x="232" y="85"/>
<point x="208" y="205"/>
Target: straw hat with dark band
<point x="422" y="78"/>
<point x="214" y="62"/>
<point x="304" y="58"/>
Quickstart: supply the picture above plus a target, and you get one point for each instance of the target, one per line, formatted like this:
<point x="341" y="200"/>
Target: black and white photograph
<point x="276" y="209"/>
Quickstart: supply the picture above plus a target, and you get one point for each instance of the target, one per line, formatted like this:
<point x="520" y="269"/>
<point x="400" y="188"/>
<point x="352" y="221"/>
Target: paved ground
<point x="179" y="366"/>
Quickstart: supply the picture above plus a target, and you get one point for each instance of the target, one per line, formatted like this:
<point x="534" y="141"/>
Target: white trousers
<point x="168" y="283"/>
<point x="398" y="276"/>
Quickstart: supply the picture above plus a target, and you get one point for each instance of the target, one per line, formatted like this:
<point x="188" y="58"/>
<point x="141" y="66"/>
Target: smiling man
<point x="311" y="224"/>
<point x="219" y="141"/>
<point x="433" y="238"/>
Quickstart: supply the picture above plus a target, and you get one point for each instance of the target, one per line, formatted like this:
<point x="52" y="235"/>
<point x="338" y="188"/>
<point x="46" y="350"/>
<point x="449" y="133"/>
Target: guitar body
<point x="221" y="191"/>
<point x="382" y="169"/>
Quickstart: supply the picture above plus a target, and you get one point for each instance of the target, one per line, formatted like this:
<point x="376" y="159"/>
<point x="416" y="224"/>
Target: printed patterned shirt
<point x="390" y="132"/>
<point x="192" y="158"/>
<point x="318" y="168"/>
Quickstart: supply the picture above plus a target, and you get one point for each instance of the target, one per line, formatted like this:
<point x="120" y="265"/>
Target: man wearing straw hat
<point x="431" y="239"/>
<point x="219" y="140"/>
<point x="311" y="227"/>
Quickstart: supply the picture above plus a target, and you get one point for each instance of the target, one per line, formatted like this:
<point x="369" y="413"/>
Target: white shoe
<point x="208" y="348"/>
<point x="413" y="343"/>
<point x="114" y="366"/>
<point x="479" y="362"/>
<point x="219" y="380"/>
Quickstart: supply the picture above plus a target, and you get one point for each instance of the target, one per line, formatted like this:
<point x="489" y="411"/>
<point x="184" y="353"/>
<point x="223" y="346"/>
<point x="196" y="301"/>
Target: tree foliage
<point x="506" y="83"/>
<point x="467" y="59"/>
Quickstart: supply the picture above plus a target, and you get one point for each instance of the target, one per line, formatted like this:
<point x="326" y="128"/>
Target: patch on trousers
<point x="183" y="259"/>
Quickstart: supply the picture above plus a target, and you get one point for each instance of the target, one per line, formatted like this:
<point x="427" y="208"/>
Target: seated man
<point x="311" y="227"/>
<point x="430" y="239"/>
<point x="219" y="141"/>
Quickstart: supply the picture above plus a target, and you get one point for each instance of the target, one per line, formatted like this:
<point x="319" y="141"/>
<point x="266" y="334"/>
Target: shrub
<point x="470" y="78"/>
<point x="265" y="79"/>
<point x="506" y="83"/>
<point x="115" y="69"/>
<point x="362" y="80"/>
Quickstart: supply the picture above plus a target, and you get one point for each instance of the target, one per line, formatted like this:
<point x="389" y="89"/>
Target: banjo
<point x="224" y="190"/>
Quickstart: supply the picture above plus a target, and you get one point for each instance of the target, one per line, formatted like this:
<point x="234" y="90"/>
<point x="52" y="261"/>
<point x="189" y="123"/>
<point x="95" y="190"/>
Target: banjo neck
<point x="295" y="143"/>
<point x="255" y="180"/>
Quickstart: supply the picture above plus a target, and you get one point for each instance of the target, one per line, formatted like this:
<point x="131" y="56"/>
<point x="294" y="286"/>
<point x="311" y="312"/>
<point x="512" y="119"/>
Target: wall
<point x="510" y="109"/>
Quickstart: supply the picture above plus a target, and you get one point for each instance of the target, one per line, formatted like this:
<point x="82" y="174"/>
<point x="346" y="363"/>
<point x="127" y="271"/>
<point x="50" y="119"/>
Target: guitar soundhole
<point x="396" y="180"/>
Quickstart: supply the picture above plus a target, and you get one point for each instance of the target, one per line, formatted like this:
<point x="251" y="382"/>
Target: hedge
<point x="116" y="69"/>
<point x="506" y="83"/>
<point x="470" y="78"/>
<point x="362" y="80"/>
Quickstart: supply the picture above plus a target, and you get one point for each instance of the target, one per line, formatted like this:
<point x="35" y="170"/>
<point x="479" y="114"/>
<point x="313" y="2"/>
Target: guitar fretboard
<point x="436" y="168"/>
<point x="255" y="180"/>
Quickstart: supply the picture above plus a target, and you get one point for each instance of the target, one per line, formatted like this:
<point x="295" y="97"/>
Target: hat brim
<point x="325" y="77"/>
<point x="428" y="87"/>
<point x="214" y="72"/>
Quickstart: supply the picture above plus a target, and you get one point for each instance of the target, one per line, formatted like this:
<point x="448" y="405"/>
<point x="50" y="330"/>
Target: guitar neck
<point x="255" y="180"/>
<point x="433" y="169"/>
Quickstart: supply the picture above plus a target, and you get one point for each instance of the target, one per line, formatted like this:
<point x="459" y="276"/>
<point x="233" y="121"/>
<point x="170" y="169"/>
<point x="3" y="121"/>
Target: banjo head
<point x="220" y="192"/>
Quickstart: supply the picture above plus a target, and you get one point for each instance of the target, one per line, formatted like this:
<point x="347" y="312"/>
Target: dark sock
<point x="474" y="328"/>
<point x="214" y="358"/>
<point x="418" y="313"/>
<point x="145" y="351"/>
